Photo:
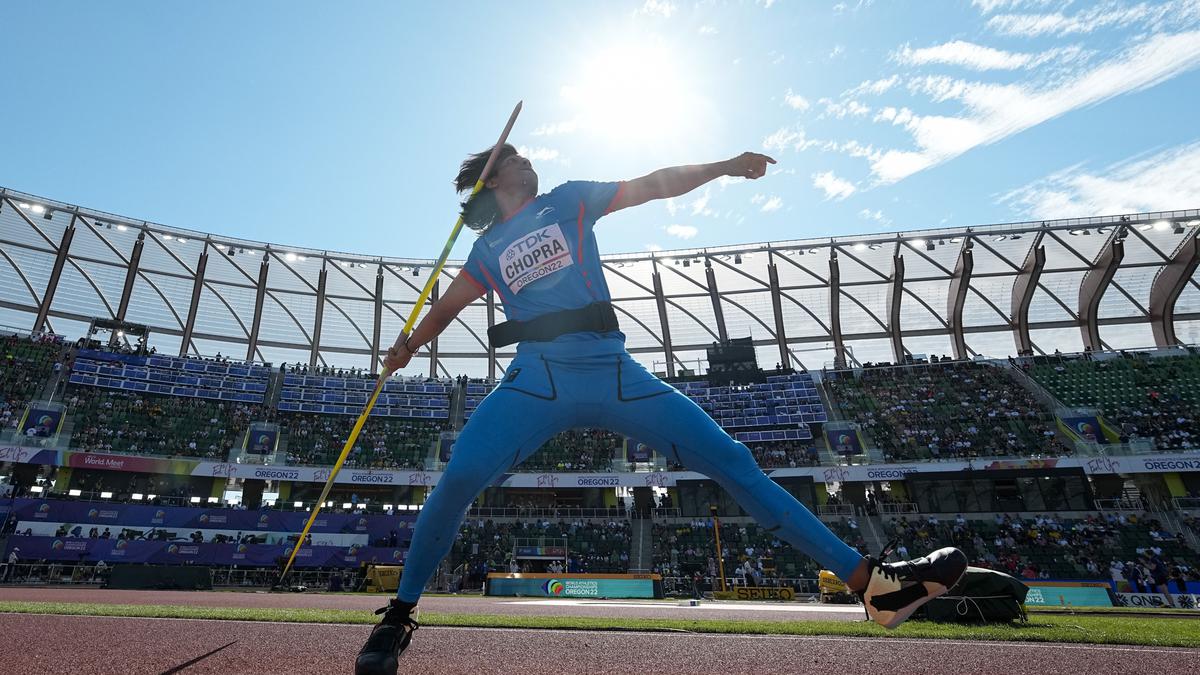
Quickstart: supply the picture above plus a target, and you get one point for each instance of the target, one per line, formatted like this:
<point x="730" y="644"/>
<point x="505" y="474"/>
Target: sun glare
<point x="633" y="92"/>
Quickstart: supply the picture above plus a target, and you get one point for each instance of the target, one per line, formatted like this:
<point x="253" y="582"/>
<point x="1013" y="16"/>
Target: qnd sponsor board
<point x="1156" y="600"/>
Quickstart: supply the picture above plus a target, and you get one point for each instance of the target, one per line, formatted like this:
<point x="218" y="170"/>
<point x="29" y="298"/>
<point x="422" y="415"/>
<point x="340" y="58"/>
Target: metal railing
<point x="556" y="513"/>
<point x="684" y="586"/>
<point x="835" y="510"/>
<point x="898" y="508"/>
<point x="1124" y="504"/>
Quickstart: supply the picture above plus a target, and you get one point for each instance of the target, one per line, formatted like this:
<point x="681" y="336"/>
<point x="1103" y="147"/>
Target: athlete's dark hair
<point x="481" y="211"/>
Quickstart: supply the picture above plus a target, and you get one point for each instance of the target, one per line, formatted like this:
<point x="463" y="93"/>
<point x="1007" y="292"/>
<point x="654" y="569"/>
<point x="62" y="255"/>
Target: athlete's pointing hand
<point x="750" y="165"/>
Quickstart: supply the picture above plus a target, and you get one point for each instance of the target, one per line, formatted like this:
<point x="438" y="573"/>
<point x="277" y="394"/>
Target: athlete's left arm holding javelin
<point x="662" y="184"/>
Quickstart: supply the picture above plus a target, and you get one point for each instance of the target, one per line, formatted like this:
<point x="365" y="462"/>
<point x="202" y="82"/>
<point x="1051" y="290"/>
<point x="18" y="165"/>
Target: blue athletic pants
<point x="551" y="387"/>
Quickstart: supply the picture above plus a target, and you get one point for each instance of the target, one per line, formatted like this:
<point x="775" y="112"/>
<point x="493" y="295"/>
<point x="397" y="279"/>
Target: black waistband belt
<point x="599" y="317"/>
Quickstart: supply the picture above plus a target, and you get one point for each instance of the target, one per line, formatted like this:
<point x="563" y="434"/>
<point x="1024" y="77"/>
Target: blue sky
<point x="339" y="126"/>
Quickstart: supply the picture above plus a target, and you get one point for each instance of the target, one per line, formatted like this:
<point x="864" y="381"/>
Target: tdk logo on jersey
<point x="534" y="256"/>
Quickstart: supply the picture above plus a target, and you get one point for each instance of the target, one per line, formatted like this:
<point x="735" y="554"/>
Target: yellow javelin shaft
<point x="408" y="326"/>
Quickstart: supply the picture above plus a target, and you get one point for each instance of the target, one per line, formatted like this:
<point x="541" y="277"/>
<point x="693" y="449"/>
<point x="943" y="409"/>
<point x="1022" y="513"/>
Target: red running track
<point x="77" y="644"/>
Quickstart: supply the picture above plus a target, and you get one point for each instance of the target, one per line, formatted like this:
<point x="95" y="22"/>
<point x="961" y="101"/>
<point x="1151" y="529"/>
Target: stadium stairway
<point x="50" y="390"/>
<point x="641" y="557"/>
<point x="873" y="533"/>
<point x="833" y="412"/>
<point x="274" y="389"/>
<point x="458" y="405"/>
<point x="1033" y="387"/>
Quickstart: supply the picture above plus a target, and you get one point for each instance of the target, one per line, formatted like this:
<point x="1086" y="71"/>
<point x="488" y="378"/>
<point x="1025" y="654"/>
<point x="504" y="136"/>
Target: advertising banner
<point x="1123" y="464"/>
<point x="262" y="439"/>
<point x="41" y="421"/>
<point x="638" y="452"/>
<point x="1085" y="428"/>
<point x="1078" y="594"/>
<point x="1158" y="600"/>
<point x="71" y="549"/>
<point x="844" y="441"/>
<point x="571" y="585"/>
<point x="147" y="516"/>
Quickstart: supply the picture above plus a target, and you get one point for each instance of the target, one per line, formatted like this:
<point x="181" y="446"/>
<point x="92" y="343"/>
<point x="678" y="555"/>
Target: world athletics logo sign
<point x="554" y="587"/>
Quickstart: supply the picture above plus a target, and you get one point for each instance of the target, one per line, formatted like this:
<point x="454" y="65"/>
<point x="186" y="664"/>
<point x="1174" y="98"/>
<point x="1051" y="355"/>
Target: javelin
<point x="408" y="327"/>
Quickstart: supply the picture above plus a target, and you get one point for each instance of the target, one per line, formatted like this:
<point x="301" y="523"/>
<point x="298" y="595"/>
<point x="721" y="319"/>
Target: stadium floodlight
<point x="36" y="489"/>
<point x="182" y="240"/>
<point x="38" y="208"/>
<point x="347" y="505"/>
<point x="1162" y="225"/>
<point x="328" y="503"/>
<point x="297" y="504"/>
<point x="23" y="205"/>
<point x="195" y="500"/>
<point x="105" y="495"/>
<point x="74" y="493"/>
<point x="860" y="246"/>
<point x="150" y="497"/>
<point x="121" y="228"/>
<point x="137" y="496"/>
<point x="387" y="507"/>
<point x="168" y="237"/>
<point x="291" y="257"/>
<point x="213" y="500"/>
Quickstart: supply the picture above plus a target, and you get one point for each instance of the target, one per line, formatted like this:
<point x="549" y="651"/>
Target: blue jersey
<point x="543" y="259"/>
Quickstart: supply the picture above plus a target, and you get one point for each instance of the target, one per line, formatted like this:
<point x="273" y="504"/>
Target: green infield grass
<point x="1042" y="626"/>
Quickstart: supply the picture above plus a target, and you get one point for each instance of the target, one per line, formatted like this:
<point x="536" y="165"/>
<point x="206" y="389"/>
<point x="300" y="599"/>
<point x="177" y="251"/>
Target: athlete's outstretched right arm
<point x="461" y="292"/>
<point x="680" y="180"/>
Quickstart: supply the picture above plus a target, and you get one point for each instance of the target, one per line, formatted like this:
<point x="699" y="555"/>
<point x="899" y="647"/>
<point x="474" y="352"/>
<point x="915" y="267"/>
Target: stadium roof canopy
<point x="1105" y="282"/>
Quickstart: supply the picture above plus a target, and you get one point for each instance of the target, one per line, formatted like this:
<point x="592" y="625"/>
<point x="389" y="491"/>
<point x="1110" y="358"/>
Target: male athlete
<point x="538" y="254"/>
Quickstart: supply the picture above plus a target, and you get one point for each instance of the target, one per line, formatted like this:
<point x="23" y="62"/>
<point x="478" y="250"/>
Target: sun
<point x="634" y="92"/>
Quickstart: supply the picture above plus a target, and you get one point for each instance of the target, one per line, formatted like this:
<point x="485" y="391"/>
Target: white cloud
<point x="978" y="57"/>
<point x="537" y="154"/>
<point x="795" y="101"/>
<point x="758" y="198"/>
<point x="994" y="111"/>
<point x="837" y="51"/>
<point x="700" y="204"/>
<point x="876" y="215"/>
<point x="874" y="87"/>
<point x="707" y="30"/>
<point x="653" y="247"/>
<point x="785" y="138"/>
<point x="766" y="4"/>
<point x="663" y="8"/>
<point x="726" y="181"/>
<point x="556" y="128"/>
<point x="834" y="187"/>
<point x="841" y="109"/>
<point x="1105" y="15"/>
<point x="682" y="231"/>
<point x="1161" y="181"/>
<point x="989" y="6"/>
<point x="773" y="204"/>
<point x="672" y="207"/>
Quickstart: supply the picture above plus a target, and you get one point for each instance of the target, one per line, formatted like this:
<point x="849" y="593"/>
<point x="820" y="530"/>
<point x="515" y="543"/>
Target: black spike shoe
<point x="390" y="637"/>
<point x="896" y="590"/>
